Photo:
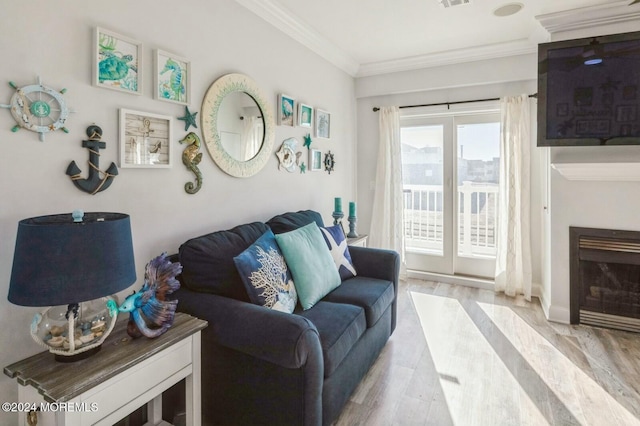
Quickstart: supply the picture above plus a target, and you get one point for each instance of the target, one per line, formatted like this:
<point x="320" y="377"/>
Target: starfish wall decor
<point x="189" y="119"/>
<point x="307" y="141"/>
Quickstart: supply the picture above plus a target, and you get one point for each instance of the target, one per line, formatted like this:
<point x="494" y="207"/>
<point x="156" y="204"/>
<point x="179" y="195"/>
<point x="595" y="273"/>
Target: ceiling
<point x="366" y="37"/>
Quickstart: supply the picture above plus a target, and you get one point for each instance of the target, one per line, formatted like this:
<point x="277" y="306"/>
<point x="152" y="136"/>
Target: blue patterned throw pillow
<point x="265" y="275"/>
<point x="334" y="237"/>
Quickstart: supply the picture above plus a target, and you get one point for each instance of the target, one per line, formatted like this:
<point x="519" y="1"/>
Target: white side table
<point x="359" y="241"/>
<point x="126" y="374"/>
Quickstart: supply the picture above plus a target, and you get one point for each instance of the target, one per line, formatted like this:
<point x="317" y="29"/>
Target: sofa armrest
<point x="283" y="339"/>
<point x="376" y="263"/>
<point x="381" y="264"/>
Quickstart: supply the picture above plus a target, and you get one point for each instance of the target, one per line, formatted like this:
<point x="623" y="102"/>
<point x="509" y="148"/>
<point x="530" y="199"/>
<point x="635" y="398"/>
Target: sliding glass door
<point x="450" y="172"/>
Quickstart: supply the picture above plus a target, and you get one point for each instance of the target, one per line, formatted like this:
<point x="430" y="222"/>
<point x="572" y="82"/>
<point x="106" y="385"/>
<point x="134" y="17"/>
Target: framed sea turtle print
<point x="323" y="124"/>
<point x="117" y="62"/>
<point x="172" y="78"/>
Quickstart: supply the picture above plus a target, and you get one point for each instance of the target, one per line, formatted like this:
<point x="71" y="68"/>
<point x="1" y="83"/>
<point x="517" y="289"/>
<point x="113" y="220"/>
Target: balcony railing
<point x="477" y="210"/>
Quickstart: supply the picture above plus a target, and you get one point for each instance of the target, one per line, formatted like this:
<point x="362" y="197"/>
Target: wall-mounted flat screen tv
<point x="589" y="91"/>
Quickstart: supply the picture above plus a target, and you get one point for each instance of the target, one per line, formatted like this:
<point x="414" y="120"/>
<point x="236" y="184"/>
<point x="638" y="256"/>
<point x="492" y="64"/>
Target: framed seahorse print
<point x="172" y="82"/>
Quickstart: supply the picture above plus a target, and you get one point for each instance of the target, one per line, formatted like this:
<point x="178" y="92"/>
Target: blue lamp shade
<point x="58" y="261"/>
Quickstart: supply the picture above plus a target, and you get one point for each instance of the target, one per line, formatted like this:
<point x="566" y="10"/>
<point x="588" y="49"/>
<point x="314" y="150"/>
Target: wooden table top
<point x="62" y="381"/>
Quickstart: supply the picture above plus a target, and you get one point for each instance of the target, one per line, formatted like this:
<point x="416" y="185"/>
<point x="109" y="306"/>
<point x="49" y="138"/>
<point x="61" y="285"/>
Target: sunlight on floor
<point x="495" y="369"/>
<point x="577" y="391"/>
<point x="484" y="391"/>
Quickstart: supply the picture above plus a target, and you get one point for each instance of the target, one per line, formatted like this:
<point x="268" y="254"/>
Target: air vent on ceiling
<point x="448" y="3"/>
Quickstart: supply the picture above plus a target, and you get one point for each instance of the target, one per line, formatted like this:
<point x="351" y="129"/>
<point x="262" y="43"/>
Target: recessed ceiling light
<point x="449" y="3"/>
<point x="508" y="9"/>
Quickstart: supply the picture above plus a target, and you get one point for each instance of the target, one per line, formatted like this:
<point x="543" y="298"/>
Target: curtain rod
<point x="448" y="104"/>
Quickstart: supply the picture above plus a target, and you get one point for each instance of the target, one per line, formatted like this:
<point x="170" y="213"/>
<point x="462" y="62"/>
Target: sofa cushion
<point x="340" y="326"/>
<point x="337" y="243"/>
<point x="293" y="220"/>
<point x="371" y="294"/>
<point x="207" y="261"/>
<point x="265" y="275"/>
<point x="312" y="267"/>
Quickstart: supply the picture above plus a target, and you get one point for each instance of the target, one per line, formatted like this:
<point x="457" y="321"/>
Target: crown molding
<point x="589" y="17"/>
<point x="491" y="51"/>
<point x="292" y="26"/>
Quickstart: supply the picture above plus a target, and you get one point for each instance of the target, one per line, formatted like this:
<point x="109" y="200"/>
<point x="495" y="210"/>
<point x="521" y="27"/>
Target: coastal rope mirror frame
<point x="212" y="131"/>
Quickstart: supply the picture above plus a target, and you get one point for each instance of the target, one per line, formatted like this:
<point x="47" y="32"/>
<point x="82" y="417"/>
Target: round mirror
<point x="240" y="125"/>
<point x="237" y="125"/>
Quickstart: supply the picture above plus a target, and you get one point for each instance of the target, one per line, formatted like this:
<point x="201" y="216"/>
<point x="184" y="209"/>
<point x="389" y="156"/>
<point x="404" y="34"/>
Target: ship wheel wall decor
<point x="329" y="162"/>
<point x="38" y="108"/>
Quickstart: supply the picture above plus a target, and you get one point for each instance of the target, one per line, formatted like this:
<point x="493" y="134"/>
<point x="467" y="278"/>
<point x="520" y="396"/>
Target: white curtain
<point x="387" y="219"/>
<point x="251" y="137"/>
<point x="513" y="258"/>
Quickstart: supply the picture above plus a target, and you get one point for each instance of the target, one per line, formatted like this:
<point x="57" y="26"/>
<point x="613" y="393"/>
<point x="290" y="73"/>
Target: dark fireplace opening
<point x="610" y="288"/>
<point x="605" y="278"/>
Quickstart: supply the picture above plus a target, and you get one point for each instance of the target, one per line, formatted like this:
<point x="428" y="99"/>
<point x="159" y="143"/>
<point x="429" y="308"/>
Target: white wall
<point x="469" y="81"/>
<point x="611" y="205"/>
<point x="53" y="39"/>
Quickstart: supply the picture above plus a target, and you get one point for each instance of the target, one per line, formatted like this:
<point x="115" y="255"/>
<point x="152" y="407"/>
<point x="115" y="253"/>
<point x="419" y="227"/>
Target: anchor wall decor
<point x="98" y="180"/>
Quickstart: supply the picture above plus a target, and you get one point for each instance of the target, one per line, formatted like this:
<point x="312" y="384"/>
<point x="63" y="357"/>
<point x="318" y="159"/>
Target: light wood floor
<point x="465" y="356"/>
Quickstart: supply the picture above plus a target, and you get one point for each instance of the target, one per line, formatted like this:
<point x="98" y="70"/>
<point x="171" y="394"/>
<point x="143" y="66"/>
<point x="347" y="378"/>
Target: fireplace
<point x="605" y="278"/>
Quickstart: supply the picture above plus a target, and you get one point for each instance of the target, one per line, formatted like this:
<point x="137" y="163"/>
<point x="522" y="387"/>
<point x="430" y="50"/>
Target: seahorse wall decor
<point x="191" y="158"/>
<point x="98" y="180"/>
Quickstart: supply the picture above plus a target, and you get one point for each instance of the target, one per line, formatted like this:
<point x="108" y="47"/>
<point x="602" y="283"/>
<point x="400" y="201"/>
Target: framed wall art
<point x="117" y="62"/>
<point x="305" y="115"/>
<point x="145" y="140"/>
<point x="172" y="78"/>
<point x="286" y="110"/>
<point x="315" y="160"/>
<point x="323" y="124"/>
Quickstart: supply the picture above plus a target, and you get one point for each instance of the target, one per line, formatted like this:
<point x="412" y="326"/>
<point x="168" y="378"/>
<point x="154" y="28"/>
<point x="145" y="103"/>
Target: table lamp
<point x="77" y="260"/>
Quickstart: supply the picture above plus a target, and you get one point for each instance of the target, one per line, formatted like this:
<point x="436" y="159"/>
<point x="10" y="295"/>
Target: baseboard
<point x="559" y="314"/>
<point x="544" y="299"/>
<point x="464" y="280"/>
<point x="537" y="290"/>
<point x="552" y="313"/>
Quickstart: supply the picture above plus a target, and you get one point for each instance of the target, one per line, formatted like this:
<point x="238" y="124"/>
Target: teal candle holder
<point x="352" y="227"/>
<point x="337" y="217"/>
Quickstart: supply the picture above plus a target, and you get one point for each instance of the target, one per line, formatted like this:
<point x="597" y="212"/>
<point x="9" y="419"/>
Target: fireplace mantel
<point x="617" y="172"/>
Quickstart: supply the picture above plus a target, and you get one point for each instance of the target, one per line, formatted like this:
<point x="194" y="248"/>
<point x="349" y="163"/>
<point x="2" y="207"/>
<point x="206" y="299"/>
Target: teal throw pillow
<point x="265" y="275"/>
<point x="314" y="272"/>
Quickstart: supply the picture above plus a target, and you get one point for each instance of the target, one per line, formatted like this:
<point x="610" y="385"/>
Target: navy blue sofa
<point x="261" y="366"/>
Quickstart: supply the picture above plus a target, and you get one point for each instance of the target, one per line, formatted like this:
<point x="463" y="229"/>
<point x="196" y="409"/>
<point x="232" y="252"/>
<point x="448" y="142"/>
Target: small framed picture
<point x="117" y="62"/>
<point x="286" y="110"/>
<point x="145" y="140"/>
<point x="323" y="124"/>
<point x="315" y="160"/>
<point x="172" y="78"/>
<point x="305" y="115"/>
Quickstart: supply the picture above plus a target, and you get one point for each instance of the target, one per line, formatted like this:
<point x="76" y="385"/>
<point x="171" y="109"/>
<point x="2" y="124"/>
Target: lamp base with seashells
<point x="91" y="322"/>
